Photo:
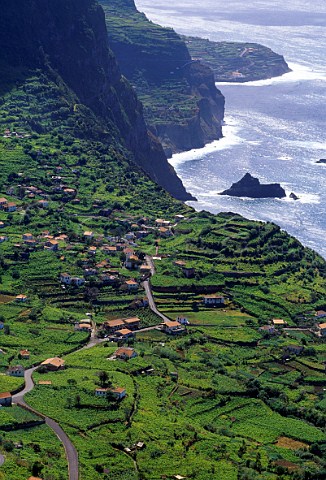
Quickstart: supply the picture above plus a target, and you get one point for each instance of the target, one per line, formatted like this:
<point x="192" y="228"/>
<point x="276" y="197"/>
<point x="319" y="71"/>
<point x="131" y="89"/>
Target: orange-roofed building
<point x="125" y="353"/>
<point x="24" y="354"/>
<point x="53" y="364"/>
<point x="124" y="333"/>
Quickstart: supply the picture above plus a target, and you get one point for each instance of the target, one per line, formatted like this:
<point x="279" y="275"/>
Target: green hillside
<point x="225" y="399"/>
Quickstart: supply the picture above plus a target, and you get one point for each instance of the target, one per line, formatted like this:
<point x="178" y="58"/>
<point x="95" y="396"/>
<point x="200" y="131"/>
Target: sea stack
<point x="251" y="187"/>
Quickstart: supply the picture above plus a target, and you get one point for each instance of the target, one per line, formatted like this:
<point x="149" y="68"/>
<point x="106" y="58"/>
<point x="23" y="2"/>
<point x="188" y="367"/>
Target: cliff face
<point x="181" y="103"/>
<point x="70" y="37"/>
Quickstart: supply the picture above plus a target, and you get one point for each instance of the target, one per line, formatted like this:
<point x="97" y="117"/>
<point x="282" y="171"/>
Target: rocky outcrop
<point x="237" y="62"/>
<point x="182" y="105"/>
<point x="250" y="186"/>
<point x="322" y="160"/>
<point x="70" y="38"/>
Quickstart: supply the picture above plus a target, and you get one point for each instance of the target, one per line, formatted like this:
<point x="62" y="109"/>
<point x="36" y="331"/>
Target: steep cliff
<point x="69" y="38"/>
<point x="181" y="103"/>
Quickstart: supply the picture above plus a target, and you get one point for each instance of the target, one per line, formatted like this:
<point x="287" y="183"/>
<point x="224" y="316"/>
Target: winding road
<point x="71" y="452"/>
<point x="18" y="398"/>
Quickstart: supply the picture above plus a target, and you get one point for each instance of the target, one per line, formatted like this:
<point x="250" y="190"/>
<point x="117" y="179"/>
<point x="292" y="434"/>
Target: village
<point x="104" y="310"/>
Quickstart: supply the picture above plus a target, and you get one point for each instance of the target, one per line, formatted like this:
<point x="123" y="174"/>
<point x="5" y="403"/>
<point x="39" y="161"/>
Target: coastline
<point x="302" y="218"/>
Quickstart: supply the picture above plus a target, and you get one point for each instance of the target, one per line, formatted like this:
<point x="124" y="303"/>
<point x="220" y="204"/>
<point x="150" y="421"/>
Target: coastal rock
<point x="294" y="196"/>
<point x="250" y="186"/>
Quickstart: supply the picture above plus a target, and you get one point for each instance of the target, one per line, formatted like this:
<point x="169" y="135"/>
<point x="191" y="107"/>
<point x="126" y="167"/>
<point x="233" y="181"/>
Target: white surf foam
<point x="299" y="73"/>
<point x="230" y="138"/>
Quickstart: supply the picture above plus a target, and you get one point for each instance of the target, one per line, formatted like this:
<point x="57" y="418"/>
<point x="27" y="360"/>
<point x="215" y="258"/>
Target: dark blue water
<point x="275" y="129"/>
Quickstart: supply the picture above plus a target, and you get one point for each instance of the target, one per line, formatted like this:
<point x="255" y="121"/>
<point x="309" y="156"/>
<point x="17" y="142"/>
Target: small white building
<point x="16" y="371"/>
<point x="212" y="300"/>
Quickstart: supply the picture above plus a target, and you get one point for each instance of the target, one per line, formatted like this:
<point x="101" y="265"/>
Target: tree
<point x="104" y="379"/>
<point x="37" y="468"/>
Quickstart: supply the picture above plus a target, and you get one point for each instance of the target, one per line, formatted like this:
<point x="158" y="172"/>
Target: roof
<point x="278" y="321"/>
<point x="44" y="382"/>
<point x="171" y="323"/>
<point x="132" y="320"/>
<point x="124" y="331"/>
<point x="88" y="233"/>
<point x="56" y="361"/>
<point x="213" y="296"/>
<point x="24" y="352"/>
<point x="114" y="323"/>
<point x="322" y="325"/>
<point x="85" y="325"/>
<point x="117" y="390"/>
<point x="35" y="478"/>
<point x="131" y="282"/>
<point x="5" y="395"/>
<point x="127" y="351"/>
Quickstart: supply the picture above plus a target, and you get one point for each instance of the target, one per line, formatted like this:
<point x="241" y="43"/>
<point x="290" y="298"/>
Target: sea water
<point x="274" y="129"/>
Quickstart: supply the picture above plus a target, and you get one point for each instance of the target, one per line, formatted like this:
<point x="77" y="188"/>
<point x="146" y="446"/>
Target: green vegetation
<point x="237" y="62"/>
<point x="224" y="405"/>
<point x="169" y="84"/>
<point x="226" y="399"/>
<point x="33" y="451"/>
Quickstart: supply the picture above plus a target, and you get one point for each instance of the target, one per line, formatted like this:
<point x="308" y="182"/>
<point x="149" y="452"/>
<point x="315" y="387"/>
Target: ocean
<point x="275" y="129"/>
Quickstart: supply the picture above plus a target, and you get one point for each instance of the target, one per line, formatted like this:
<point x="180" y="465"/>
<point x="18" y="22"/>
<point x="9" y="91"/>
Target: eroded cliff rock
<point x="70" y="38"/>
<point x="182" y="105"/>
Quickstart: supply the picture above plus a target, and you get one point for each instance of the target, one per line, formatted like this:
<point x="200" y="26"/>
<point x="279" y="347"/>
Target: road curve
<point x="151" y="301"/>
<point x="18" y="398"/>
<point x="149" y="293"/>
<point x="71" y="452"/>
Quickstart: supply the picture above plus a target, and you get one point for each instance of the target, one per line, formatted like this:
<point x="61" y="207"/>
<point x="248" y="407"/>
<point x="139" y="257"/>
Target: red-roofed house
<point x="5" y="399"/>
<point x="322" y="329"/>
<point x="125" y="353"/>
<point x="132" y="285"/>
<point x="118" y="392"/>
<point x="24" y="354"/>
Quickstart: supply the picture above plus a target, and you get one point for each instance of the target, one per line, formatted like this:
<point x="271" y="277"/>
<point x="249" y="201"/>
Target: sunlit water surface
<point x="275" y="129"/>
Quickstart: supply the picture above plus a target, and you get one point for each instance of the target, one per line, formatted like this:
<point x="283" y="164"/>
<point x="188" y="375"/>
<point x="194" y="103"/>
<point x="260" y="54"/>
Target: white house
<point x="212" y="300"/>
<point x="17" y="371"/>
<point x="173" y="328"/>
